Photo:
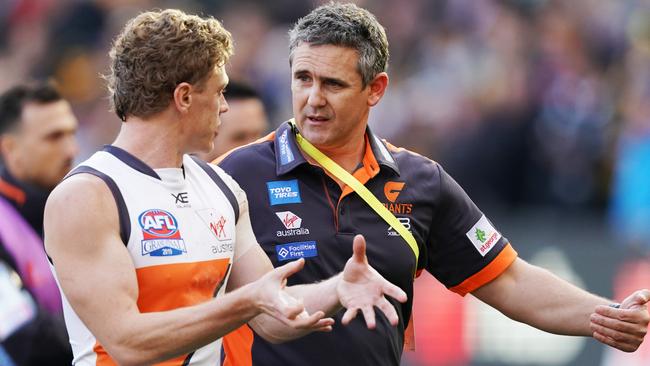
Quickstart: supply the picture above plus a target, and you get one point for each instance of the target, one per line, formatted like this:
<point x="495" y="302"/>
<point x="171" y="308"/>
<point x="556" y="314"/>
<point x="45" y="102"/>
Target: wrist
<point x="252" y="304"/>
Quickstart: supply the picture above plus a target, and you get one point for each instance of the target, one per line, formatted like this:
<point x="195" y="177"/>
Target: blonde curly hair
<point x="155" y="52"/>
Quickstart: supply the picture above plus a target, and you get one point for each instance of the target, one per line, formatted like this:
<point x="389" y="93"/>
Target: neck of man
<point x="156" y="140"/>
<point x="348" y="155"/>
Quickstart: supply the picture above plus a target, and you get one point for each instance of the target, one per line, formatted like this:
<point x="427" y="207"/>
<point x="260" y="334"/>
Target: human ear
<point x="377" y="87"/>
<point x="183" y="97"/>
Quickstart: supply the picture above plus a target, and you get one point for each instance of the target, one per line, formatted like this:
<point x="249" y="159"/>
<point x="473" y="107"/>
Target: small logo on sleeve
<point x="483" y="235"/>
<point x="283" y="192"/>
<point x="160" y="233"/>
<point x="301" y="249"/>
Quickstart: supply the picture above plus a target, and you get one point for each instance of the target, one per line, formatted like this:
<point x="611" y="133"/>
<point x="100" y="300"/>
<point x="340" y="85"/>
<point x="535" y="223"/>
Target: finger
<point x="620" y="337"/>
<point x="369" y="316"/>
<point x="323" y="325"/>
<point x="389" y="311"/>
<point x="359" y="249"/>
<point x="325" y="322"/>
<point x="290" y="268"/>
<point x="638" y="298"/>
<point x="310" y="321"/>
<point x="636" y="316"/>
<point x="620" y="326"/>
<point x="394" y="292"/>
<point x="290" y="306"/>
<point x="349" y="315"/>
<point x="613" y="343"/>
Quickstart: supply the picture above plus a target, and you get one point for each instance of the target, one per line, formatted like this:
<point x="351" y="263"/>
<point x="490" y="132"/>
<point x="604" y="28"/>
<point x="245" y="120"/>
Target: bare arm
<point x="97" y="276"/>
<point x="358" y="287"/>
<point x="536" y="297"/>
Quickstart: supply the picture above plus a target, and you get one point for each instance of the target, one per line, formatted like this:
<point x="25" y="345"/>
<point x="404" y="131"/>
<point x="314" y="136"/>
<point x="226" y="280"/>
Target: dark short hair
<point x="238" y="90"/>
<point x="13" y="100"/>
<point x="345" y="25"/>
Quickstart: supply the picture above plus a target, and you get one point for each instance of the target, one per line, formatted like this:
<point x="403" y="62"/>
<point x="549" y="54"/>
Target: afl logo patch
<point x="160" y="234"/>
<point x="158" y="223"/>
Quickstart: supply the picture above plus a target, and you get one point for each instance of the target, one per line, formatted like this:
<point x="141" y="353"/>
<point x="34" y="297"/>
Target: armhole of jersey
<point x="122" y="211"/>
<point x="221" y="184"/>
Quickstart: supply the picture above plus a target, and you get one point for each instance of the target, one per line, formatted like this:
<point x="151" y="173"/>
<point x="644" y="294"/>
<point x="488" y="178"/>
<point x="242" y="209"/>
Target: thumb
<point x="639" y="298"/>
<point x="289" y="269"/>
<point x="359" y="249"/>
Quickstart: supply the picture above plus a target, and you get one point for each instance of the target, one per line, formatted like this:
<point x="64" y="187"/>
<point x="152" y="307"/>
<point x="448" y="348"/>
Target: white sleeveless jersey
<point x="179" y="226"/>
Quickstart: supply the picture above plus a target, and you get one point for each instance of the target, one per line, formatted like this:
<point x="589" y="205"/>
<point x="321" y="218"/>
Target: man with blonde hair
<point x="153" y="248"/>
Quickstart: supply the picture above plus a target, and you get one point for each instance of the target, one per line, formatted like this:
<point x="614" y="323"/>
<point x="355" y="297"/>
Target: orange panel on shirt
<point x="171" y="286"/>
<point x="490" y="272"/>
<point x="237" y="346"/>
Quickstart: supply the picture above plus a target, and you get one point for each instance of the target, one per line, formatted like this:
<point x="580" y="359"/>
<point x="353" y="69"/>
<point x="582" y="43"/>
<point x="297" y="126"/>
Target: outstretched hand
<point x="362" y="288"/>
<point x="625" y="327"/>
<point x="275" y="301"/>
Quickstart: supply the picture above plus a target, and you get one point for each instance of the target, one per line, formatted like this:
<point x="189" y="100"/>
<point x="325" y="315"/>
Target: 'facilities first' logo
<point x="483" y="235"/>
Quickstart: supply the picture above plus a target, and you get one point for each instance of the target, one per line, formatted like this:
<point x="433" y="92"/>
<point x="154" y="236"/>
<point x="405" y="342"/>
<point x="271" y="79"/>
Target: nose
<point x="223" y="107"/>
<point x="316" y="97"/>
<point x="72" y="146"/>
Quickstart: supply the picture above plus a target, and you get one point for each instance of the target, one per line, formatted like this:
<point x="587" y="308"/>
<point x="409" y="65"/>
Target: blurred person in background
<point x="160" y="239"/>
<point x="38" y="146"/>
<point x="245" y="121"/>
<point x="338" y="60"/>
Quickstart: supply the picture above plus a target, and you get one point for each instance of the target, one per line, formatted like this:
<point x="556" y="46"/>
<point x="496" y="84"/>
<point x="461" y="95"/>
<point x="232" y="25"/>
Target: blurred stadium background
<point x="539" y="108"/>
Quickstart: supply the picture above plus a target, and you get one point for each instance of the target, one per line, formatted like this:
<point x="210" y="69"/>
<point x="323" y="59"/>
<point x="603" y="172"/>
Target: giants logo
<point x="392" y="190"/>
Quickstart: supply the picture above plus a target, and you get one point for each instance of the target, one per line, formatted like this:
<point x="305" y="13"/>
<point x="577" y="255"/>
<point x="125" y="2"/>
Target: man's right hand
<point x="273" y="299"/>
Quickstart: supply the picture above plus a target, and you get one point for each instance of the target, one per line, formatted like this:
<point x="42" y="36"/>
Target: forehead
<point x="48" y="117"/>
<point x="218" y="78"/>
<point x="325" y="60"/>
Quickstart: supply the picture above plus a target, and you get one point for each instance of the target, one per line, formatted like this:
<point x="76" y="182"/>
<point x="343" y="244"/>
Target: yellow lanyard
<point x="363" y="192"/>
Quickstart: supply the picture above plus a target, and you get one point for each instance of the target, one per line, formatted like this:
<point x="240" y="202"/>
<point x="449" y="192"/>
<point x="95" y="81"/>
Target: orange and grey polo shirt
<point x="298" y="211"/>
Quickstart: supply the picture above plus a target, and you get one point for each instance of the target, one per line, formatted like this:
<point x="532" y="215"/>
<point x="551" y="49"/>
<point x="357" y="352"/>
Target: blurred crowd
<point x="523" y="101"/>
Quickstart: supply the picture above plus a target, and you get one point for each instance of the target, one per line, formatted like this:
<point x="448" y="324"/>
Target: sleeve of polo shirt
<point x="245" y="237"/>
<point x="465" y="249"/>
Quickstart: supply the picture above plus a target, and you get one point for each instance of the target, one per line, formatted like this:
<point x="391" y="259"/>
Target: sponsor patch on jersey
<point x="161" y="236"/>
<point x="404" y="221"/>
<point x="300" y="249"/>
<point x="292" y="223"/>
<point x="286" y="155"/>
<point x="283" y="192"/>
<point x="483" y="235"/>
<point x="217" y="223"/>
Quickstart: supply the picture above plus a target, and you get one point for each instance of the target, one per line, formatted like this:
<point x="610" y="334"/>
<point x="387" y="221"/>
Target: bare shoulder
<point x="80" y="206"/>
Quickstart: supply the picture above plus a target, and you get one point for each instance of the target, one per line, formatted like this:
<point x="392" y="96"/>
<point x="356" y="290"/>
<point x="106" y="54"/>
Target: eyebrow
<point x="324" y="79"/>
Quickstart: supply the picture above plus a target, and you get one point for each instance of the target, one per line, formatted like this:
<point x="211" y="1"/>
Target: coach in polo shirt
<point x="338" y="58"/>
